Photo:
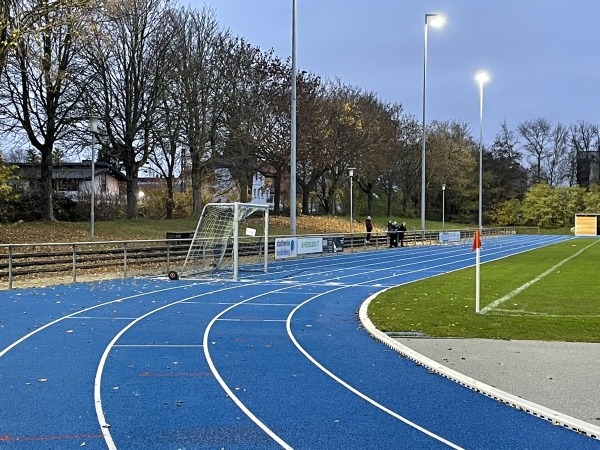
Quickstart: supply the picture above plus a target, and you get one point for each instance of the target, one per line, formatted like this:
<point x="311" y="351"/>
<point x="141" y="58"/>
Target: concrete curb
<point x="540" y="411"/>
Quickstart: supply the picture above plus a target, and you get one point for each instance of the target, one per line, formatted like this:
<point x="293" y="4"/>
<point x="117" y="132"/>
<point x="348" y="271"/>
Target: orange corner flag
<point x="476" y="241"/>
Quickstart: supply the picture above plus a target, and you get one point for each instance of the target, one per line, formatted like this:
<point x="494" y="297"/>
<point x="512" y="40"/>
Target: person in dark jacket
<point x="392" y="230"/>
<point x="369" y="228"/>
<point x="401" y="233"/>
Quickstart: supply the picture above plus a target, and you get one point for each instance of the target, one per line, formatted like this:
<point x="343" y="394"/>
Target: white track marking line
<point x="73" y="315"/>
<point x="521" y="288"/>
<point x="251" y="304"/>
<point x="222" y="382"/>
<point x="324" y="263"/>
<point x="351" y="388"/>
<point x="99" y="318"/>
<point x="250" y="415"/>
<point x="436" y="254"/>
<point x="157" y="345"/>
<point x="98" y="378"/>
<point x="251" y="320"/>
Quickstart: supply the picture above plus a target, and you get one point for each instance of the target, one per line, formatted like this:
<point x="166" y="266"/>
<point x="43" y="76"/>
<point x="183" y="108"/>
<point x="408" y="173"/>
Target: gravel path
<point x="562" y="376"/>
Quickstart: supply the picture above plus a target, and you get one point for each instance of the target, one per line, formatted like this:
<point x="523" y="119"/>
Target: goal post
<point x="222" y="245"/>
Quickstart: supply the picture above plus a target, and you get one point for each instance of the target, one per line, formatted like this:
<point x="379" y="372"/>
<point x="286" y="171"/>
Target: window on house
<point x="67" y="184"/>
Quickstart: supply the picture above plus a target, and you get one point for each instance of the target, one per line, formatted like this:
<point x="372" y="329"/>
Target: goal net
<point x="224" y="243"/>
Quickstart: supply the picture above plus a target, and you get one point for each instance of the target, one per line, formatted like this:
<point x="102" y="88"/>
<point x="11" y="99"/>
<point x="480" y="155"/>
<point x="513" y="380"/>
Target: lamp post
<point x="293" y="128"/>
<point x="351" y="174"/>
<point x="93" y="129"/>
<point x="443" y="206"/>
<point x="482" y="78"/>
<point x="437" y="21"/>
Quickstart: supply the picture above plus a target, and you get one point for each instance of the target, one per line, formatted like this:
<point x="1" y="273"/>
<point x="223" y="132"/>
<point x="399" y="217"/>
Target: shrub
<point x="507" y="213"/>
<point x="28" y="207"/>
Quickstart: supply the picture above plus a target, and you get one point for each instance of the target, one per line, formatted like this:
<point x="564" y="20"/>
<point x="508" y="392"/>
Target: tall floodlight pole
<point x="437" y="20"/>
<point x="93" y="129"/>
<point x="351" y="174"/>
<point x="443" y="206"/>
<point x="481" y="77"/>
<point x="293" y="128"/>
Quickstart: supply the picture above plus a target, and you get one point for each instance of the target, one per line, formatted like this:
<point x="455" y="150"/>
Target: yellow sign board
<point x="586" y="225"/>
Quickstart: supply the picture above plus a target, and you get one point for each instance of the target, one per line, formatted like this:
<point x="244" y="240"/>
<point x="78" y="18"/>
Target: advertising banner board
<point x="449" y="236"/>
<point x="310" y="245"/>
<point x="333" y="244"/>
<point x="285" y="248"/>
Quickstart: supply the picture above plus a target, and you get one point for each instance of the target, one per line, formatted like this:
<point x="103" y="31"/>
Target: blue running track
<point x="277" y="360"/>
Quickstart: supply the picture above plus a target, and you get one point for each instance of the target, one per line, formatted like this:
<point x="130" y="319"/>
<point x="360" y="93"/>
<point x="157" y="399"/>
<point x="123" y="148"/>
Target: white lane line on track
<point x="434" y="254"/>
<point x="208" y="303"/>
<point x="251" y="320"/>
<point x="222" y="382"/>
<point x="99" y="318"/>
<point x="97" y="400"/>
<point x="353" y="389"/>
<point x="98" y="378"/>
<point x="521" y="288"/>
<point x="75" y="314"/>
<point x="233" y="303"/>
<point x="98" y="381"/>
<point x="273" y="304"/>
<point x="305" y="268"/>
<point x="158" y="345"/>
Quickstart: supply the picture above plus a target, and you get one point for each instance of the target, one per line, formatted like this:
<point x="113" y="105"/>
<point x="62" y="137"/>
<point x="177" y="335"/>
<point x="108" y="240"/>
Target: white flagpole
<point x="477" y="279"/>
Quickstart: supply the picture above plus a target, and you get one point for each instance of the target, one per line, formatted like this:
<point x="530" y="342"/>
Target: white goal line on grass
<point x="523" y="313"/>
<point x="516" y="291"/>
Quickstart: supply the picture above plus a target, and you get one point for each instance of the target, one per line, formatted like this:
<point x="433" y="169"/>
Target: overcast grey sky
<point x="542" y="55"/>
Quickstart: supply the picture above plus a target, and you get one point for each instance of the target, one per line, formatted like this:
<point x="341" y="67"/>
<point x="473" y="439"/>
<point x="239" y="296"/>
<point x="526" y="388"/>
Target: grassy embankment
<point x="36" y="232"/>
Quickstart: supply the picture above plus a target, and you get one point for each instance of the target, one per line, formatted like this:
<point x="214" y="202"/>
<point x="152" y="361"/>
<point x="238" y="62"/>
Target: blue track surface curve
<point x="277" y="360"/>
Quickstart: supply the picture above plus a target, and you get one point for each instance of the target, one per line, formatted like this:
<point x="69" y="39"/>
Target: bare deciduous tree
<point x="546" y="150"/>
<point x="256" y="85"/>
<point x="19" y="19"/>
<point x="536" y="134"/>
<point x="312" y="162"/>
<point x="43" y="84"/>
<point x="379" y="138"/>
<point x="204" y="52"/>
<point x="559" y="159"/>
<point x="131" y="60"/>
<point x="509" y="177"/>
<point x="585" y="142"/>
<point x="402" y="167"/>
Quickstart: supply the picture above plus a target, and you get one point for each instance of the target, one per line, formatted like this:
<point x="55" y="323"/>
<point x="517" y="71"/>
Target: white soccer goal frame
<point x="233" y="236"/>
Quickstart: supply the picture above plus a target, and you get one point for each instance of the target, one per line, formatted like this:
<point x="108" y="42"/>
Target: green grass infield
<point x="551" y="294"/>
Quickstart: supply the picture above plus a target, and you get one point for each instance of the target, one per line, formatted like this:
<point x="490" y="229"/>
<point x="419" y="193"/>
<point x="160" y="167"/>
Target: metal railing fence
<point x="153" y="257"/>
